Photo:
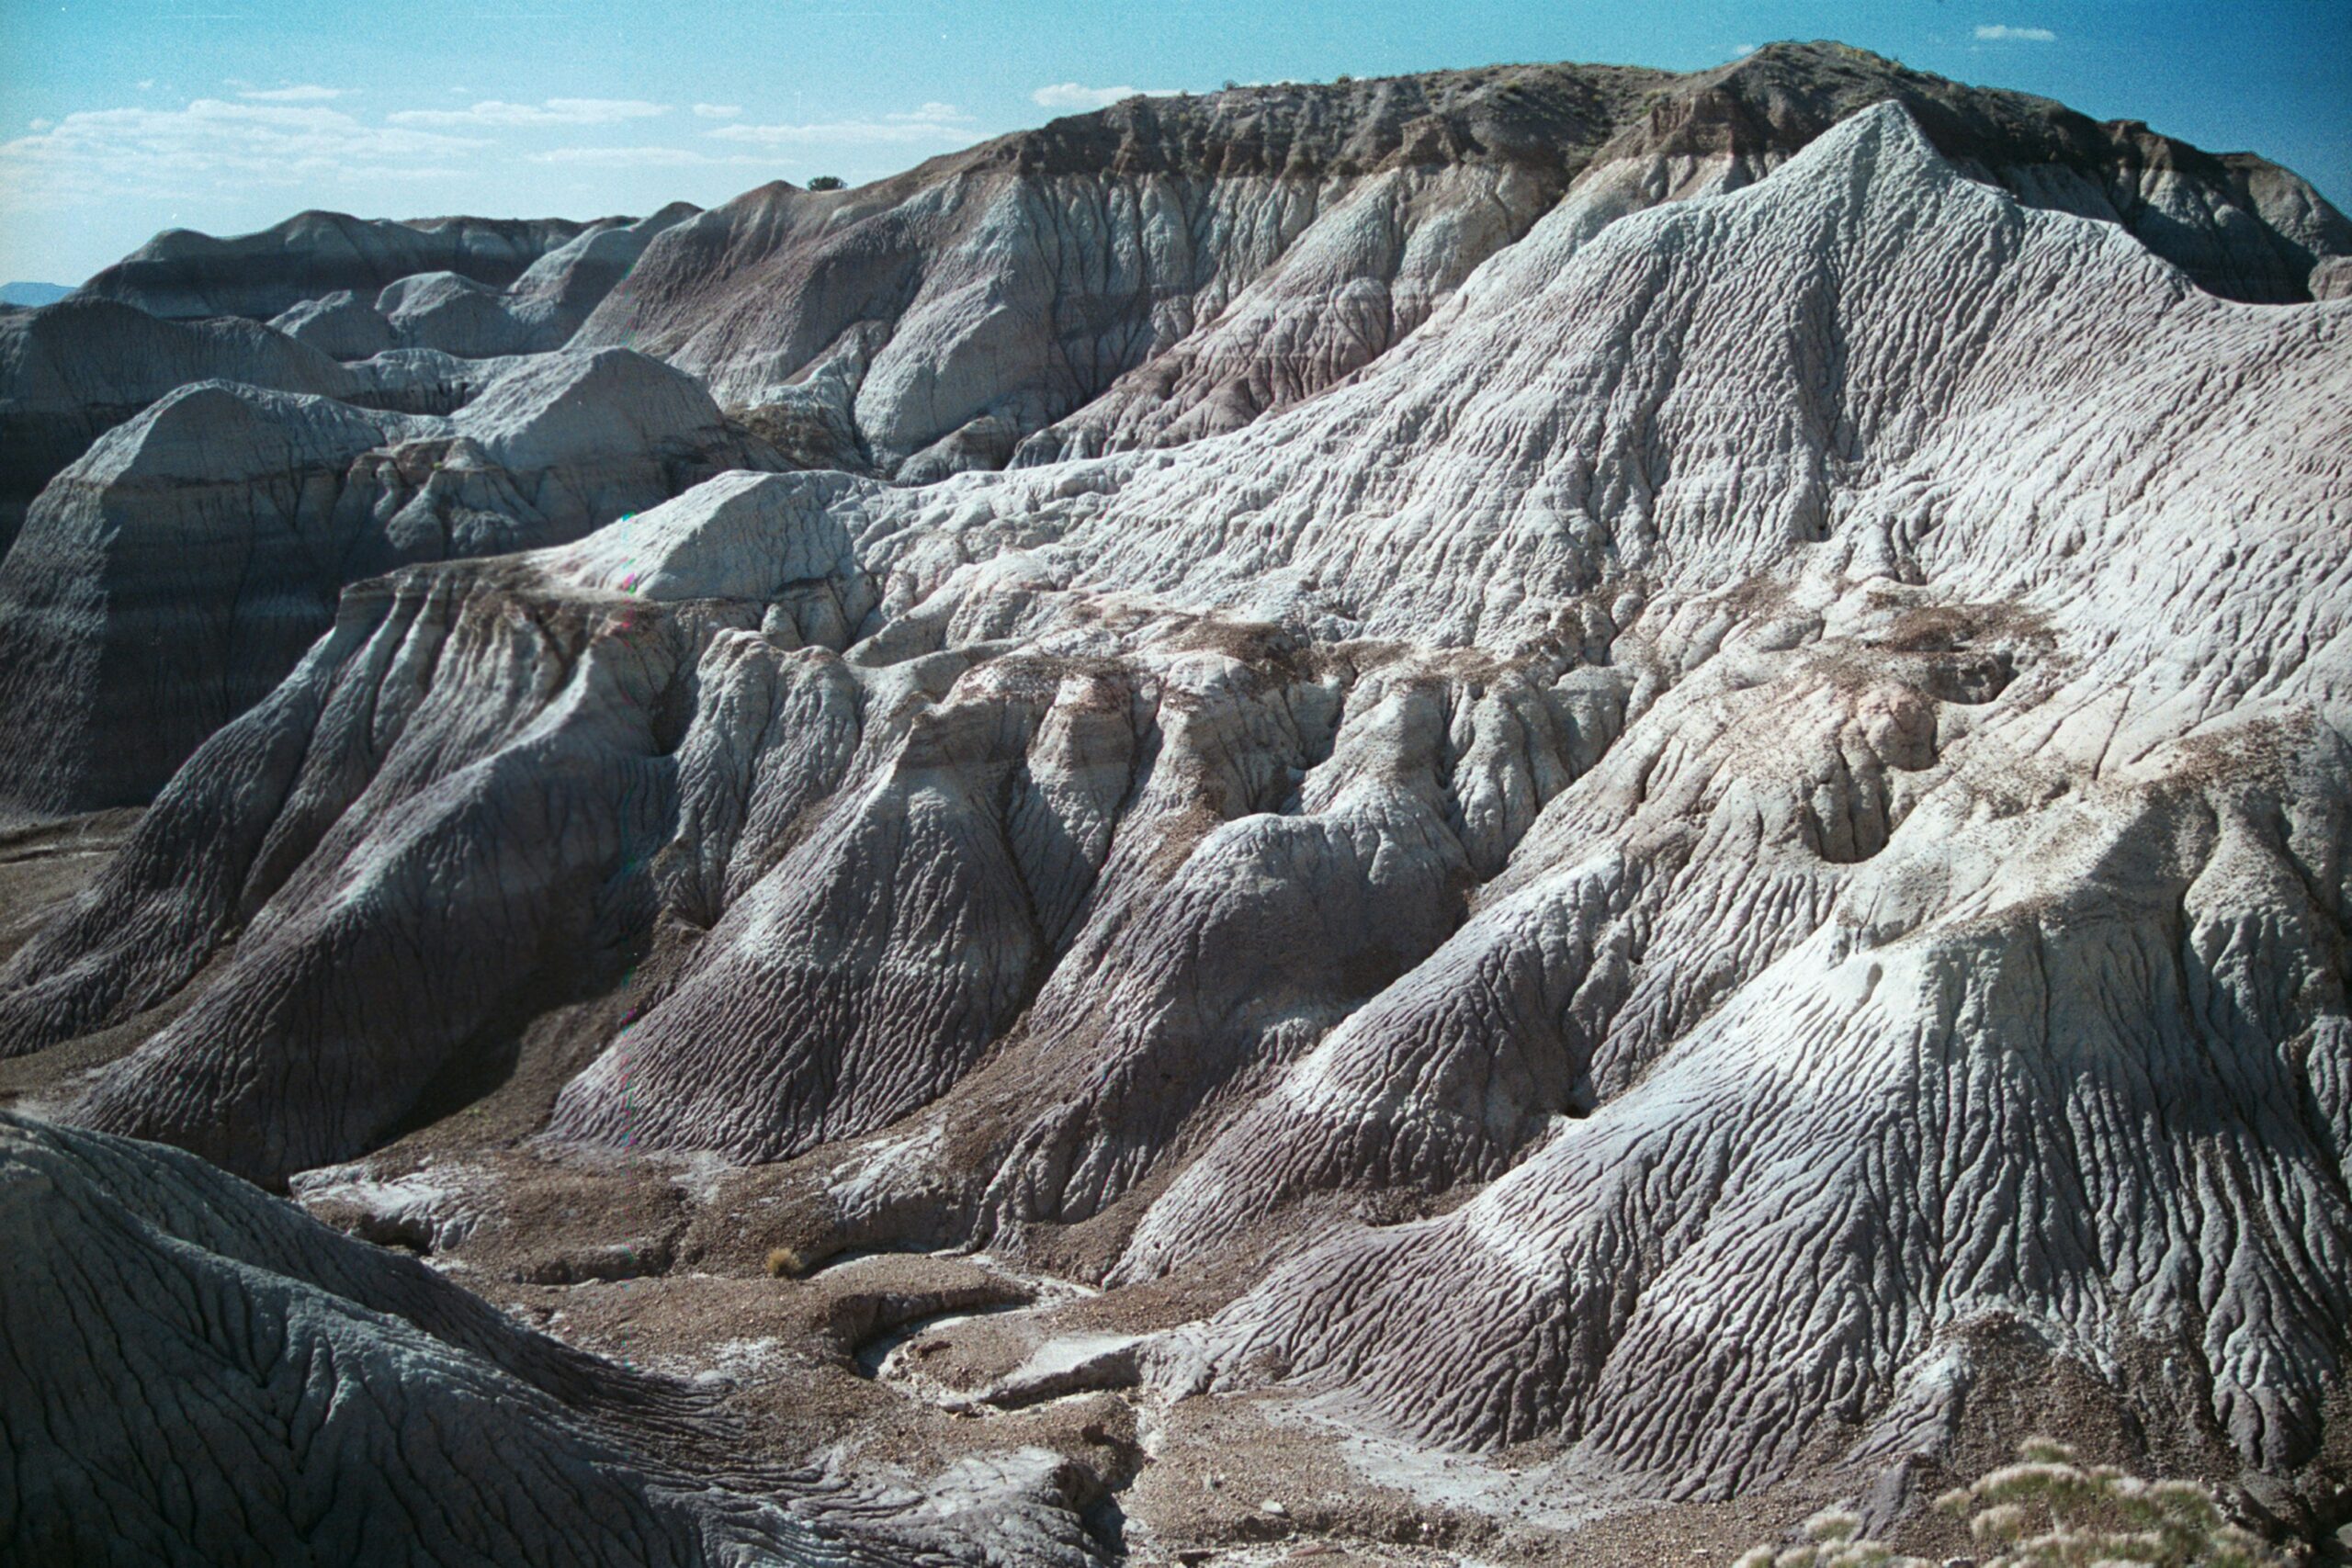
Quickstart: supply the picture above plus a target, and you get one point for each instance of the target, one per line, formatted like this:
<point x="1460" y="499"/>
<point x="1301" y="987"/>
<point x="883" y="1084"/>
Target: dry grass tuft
<point x="2049" y="1511"/>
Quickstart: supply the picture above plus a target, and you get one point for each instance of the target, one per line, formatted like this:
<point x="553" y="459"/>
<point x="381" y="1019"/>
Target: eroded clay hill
<point x="1650" y="774"/>
<point x="169" y="577"/>
<point x="1170" y="268"/>
<point x="1741" y="841"/>
<point x="200" y="1373"/>
<point x="181" y="274"/>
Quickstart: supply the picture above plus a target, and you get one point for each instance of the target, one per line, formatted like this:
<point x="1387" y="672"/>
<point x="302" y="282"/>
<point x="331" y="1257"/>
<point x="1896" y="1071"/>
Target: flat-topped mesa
<point x="182" y="273"/>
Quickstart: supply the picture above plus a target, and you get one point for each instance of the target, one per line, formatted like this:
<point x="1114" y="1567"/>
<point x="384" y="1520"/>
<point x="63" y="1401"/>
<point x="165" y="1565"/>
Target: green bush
<point x="2048" y="1511"/>
<point x="827" y="182"/>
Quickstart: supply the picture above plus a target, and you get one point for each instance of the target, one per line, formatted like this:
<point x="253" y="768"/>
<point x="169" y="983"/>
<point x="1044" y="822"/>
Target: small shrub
<point x="1343" y="80"/>
<point x="784" y="1263"/>
<point x="2048" y="1511"/>
<point x="1833" y="1539"/>
<point x="827" y="182"/>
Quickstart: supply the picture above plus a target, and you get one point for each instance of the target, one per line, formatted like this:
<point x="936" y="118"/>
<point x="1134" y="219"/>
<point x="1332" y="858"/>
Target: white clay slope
<point x="1800" y="735"/>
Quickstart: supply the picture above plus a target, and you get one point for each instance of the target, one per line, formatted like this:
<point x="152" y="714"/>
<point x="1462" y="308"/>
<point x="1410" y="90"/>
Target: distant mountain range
<point x="33" y="293"/>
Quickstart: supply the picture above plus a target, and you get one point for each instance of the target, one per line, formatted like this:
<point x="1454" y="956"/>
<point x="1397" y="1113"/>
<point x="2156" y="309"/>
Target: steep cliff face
<point x="1794" y="741"/>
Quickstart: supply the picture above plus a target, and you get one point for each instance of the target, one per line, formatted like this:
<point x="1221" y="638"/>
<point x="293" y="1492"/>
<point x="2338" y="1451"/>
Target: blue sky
<point x="119" y="118"/>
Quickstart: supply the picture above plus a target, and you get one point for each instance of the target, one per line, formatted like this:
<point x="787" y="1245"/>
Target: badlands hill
<point x="1161" y="271"/>
<point x="1705" y="864"/>
<point x="1175" y="267"/>
<point x="181" y="274"/>
<point x="200" y="1373"/>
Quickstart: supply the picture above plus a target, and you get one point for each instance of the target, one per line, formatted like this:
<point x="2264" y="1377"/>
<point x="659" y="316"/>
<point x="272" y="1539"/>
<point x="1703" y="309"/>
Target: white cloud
<point x="142" y="87"/>
<point x="1994" y="33"/>
<point x="717" y="111"/>
<point x="933" y="113"/>
<point x="554" y="111"/>
<point x="98" y="153"/>
<point x="41" y="124"/>
<point x="640" y="157"/>
<point x="891" y="129"/>
<point x="1071" y="95"/>
<point x="303" y="94"/>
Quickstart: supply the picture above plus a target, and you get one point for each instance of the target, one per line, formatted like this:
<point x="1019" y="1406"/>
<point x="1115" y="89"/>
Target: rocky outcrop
<point x="1782" y="761"/>
<point x="455" y="313"/>
<point x="181" y="274"/>
<point x="170" y="577"/>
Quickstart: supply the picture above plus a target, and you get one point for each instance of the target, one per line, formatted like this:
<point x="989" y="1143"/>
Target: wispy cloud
<point x="1996" y="33"/>
<point x="941" y="125"/>
<point x="98" y="153"/>
<point x="642" y="157"/>
<point x="717" y="111"/>
<point x="1072" y="95"/>
<point x="306" y="93"/>
<point x="490" y="112"/>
